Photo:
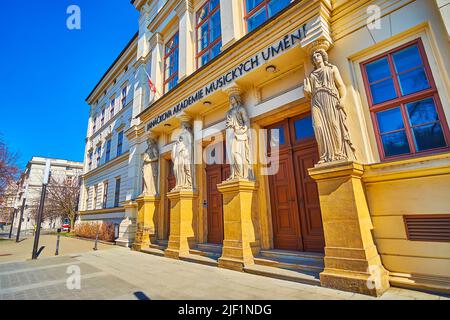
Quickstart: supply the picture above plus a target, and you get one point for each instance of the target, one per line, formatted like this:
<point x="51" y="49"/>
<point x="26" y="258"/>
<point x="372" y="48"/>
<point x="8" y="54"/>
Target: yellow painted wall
<point x="420" y="186"/>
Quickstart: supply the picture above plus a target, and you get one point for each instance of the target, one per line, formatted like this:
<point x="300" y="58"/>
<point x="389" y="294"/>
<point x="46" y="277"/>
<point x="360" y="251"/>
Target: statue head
<point x="318" y="56"/>
<point x="235" y="100"/>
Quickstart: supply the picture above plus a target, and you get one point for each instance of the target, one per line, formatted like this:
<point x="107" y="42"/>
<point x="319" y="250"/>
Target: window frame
<point x="112" y="107"/>
<point x="123" y="100"/>
<point x="166" y="56"/>
<point x="117" y="192"/>
<point x="119" y="144"/>
<point x="264" y="3"/>
<point x="198" y="54"/>
<point x="401" y="102"/>
<point x="105" y="194"/>
<point x="108" y="150"/>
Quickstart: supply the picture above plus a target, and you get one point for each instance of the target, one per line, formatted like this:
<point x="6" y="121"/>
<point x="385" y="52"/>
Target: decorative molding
<point x="100" y="211"/>
<point x="157" y="38"/>
<point x="184" y="6"/>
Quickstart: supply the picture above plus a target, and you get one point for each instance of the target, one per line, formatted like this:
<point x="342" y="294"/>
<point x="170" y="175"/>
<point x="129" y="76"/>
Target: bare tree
<point x="61" y="200"/>
<point x="8" y="170"/>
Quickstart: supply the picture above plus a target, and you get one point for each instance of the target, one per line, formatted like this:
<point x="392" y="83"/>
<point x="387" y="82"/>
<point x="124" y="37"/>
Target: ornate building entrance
<point x="296" y="217"/>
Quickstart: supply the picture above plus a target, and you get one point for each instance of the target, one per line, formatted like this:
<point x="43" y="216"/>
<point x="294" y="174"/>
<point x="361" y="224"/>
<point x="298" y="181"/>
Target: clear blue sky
<point x="47" y="70"/>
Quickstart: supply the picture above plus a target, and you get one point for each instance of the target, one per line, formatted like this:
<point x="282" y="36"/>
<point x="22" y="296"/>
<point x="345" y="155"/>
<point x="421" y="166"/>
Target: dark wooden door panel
<point x="170" y="185"/>
<point x="309" y="205"/>
<point x="286" y="231"/>
<point x="214" y="209"/>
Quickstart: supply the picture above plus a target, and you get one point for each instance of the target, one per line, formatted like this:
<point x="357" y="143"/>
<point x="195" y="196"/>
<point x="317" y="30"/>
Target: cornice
<point x="289" y="20"/>
<point x="102" y="211"/>
<point x="156" y="39"/>
<point x="106" y="166"/>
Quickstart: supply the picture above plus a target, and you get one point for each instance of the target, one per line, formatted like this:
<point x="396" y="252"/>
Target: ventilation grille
<point x="428" y="227"/>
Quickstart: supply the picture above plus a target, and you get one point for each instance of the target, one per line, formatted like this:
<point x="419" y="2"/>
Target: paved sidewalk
<point x="12" y="251"/>
<point x="119" y="273"/>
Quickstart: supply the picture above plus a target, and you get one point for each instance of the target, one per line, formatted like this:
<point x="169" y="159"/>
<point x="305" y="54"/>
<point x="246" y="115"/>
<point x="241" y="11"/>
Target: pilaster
<point x="232" y="21"/>
<point x="185" y="13"/>
<point x="157" y="64"/>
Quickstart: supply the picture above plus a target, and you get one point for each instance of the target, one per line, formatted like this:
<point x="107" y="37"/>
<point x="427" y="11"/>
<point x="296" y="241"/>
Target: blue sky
<point x="47" y="70"/>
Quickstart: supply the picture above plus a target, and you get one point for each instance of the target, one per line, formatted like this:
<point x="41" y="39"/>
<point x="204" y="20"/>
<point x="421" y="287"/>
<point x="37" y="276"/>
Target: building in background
<point x="30" y="186"/>
<point x="105" y="179"/>
<point x="359" y="225"/>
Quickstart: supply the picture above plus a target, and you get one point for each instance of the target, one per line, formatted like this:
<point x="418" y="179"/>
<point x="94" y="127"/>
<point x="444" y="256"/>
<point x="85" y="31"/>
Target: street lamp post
<point x="41" y="209"/>
<point x="12" y="220"/>
<point x="25" y="195"/>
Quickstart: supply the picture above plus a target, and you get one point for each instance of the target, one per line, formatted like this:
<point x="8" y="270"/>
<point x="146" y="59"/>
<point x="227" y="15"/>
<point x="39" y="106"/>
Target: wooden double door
<point x="215" y="174"/>
<point x="296" y="216"/>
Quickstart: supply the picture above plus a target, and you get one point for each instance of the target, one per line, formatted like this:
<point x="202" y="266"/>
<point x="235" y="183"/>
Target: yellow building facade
<point x="381" y="219"/>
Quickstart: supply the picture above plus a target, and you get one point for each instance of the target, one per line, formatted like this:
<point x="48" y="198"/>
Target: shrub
<point x="89" y="230"/>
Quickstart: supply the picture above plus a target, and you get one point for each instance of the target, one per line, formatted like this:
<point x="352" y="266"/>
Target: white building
<point x="30" y="186"/>
<point x="105" y="180"/>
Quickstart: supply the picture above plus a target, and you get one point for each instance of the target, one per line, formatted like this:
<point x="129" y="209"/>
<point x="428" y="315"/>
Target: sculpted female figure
<point x="327" y="91"/>
<point x="182" y="159"/>
<point x="237" y="125"/>
<point x="150" y="168"/>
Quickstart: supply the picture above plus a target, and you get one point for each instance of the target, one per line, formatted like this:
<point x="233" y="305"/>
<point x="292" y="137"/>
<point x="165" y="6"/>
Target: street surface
<point x="118" y="273"/>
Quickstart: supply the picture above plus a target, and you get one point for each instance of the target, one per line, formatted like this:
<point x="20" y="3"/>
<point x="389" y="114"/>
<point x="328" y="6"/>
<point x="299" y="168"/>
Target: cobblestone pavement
<point x="119" y="273"/>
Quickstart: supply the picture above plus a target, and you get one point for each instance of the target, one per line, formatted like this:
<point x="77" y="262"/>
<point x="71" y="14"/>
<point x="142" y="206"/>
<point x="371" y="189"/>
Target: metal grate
<point x="428" y="227"/>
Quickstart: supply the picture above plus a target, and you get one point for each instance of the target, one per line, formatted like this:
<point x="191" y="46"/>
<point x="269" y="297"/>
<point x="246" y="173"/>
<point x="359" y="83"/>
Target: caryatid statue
<point x="150" y="168"/>
<point x="182" y="157"/>
<point x="238" y="146"/>
<point x="325" y="88"/>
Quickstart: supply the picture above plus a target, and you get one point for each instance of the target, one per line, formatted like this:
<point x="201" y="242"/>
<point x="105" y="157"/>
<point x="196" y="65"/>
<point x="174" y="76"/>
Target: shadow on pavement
<point x="141" y="296"/>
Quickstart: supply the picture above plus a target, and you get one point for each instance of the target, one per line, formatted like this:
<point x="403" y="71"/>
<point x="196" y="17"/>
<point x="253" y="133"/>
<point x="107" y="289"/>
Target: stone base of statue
<point x="352" y="262"/>
<point x="239" y="205"/>
<point x="148" y="207"/>
<point x="182" y="207"/>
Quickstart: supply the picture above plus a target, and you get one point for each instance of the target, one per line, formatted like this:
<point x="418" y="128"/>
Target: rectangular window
<point x="119" y="143"/>
<point x="103" y="117"/>
<point x="404" y="102"/>
<point x="117" y="193"/>
<point x="98" y="155"/>
<point x="94" y="126"/>
<point x="171" y="64"/>
<point x="108" y="150"/>
<point x="112" y="106"/>
<point x="94" y="198"/>
<point x="209" y="33"/>
<point x="105" y="194"/>
<point x="124" y="96"/>
<point x="90" y="160"/>
<point x="258" y="11"/>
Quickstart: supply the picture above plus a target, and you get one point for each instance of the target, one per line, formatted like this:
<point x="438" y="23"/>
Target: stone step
<point x="291" y="262"/>
<point x="206" y="260"/>
<point x="302" y="276"/>
<point x="154" y="251"/>
<point x="158" y="246"/>
<point x="210" y="247"/>
<point x="287" y="253"/>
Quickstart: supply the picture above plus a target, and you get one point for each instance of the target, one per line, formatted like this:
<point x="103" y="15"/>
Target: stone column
<point x="183" y="209"/>
<point x="240" y="204"/>
<point x="232" y="21"/>
<point x="157" y="49"/>
<point x="185" y="12"/>
<point x="352" y="262"/>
